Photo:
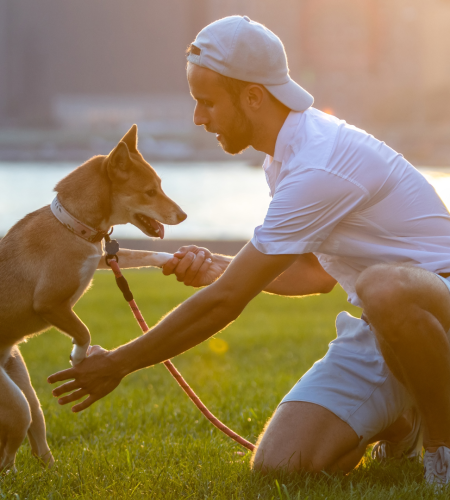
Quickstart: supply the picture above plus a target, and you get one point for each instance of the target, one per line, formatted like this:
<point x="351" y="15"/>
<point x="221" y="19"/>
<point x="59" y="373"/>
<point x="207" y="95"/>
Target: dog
<point x="47" y="261"/>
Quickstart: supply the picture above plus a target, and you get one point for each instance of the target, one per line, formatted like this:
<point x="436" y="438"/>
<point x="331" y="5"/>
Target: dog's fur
<point x="45" y="269"/>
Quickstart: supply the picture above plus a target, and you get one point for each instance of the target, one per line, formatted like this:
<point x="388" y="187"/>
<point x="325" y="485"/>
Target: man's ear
<point x="254" y="95"/>
<point x="119" y="162"/>
<point x="131" y="139"/>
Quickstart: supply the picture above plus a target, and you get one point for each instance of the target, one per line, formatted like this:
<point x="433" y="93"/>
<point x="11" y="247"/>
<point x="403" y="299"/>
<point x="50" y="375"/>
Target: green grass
<point x="147" y="440"/>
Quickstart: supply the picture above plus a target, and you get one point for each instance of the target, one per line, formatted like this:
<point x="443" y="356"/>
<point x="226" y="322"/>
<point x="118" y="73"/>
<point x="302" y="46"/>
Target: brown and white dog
<point x="46" y="264"/>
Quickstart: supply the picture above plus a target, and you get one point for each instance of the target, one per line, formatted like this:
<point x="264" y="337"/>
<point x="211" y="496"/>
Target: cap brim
<point x="292" y="95"/>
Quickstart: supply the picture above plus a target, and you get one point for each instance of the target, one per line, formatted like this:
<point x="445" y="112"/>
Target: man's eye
<point x="152" y="192"/>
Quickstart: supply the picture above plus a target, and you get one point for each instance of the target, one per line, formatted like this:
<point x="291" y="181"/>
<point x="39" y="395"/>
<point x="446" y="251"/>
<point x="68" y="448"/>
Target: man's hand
<point x="196" y="266"/>
<point x="96" y="376"/>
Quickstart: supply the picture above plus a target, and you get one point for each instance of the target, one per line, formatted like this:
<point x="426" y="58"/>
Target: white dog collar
<point x="74" y="225"/>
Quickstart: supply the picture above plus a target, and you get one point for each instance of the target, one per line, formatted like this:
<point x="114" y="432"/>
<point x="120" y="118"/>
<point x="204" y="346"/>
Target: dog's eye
<point x="152" y="192"/>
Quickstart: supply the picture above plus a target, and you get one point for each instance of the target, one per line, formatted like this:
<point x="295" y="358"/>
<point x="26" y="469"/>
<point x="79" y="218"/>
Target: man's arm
<point x="304" y="277"/>
<point x="207" y="312"/>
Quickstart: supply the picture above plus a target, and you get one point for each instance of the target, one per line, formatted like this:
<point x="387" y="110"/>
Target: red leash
<point x="125" y="289"/>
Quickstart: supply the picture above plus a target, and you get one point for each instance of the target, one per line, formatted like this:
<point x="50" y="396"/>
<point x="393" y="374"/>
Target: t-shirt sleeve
<point x="304" y="211"/>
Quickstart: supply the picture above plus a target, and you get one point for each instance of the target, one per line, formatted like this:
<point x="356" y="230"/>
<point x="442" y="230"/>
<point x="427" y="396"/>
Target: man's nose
<point x="200" y="117"/>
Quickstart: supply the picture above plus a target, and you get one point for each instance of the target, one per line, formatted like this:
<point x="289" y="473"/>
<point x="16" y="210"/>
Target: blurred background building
<point x="75" y="74"/>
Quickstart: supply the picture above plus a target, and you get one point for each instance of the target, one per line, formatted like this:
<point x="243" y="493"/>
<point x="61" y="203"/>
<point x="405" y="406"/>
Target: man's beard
<point x="239" y="137"/>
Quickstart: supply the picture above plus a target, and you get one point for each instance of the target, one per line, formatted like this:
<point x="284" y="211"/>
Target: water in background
<point x="223" y="201"/>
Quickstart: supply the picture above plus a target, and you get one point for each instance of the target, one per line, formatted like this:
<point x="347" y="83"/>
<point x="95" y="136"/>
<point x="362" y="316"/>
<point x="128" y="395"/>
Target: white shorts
<point x="353" y="380"/>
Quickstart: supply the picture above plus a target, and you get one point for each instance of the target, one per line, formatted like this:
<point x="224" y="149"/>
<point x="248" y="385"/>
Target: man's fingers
<point x="67" y="387"/>
<point x="84" y="404"/>
<point x="170" y="266"/>
<point x="187" y="262"/>
<point x="95" y="349"/>
<point x="182" y="250"/>
<point x="75" y="396"/>
<point x="62" y="375"/>
<point x="200" y="278"/>
<point x="184" y="265"/>
<point x="191" y="273"/>
<point x="191" y="248"/>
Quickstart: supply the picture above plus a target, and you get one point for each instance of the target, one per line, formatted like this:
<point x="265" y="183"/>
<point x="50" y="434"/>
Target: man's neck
<point x="266" y="130"/>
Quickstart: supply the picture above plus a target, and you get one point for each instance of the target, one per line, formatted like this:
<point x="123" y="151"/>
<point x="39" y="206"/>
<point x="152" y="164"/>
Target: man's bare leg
<point x="306" y="436"/>
<point x="409" y="311"/>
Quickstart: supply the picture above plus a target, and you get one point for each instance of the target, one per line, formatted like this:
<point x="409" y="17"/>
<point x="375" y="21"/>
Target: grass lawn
<point x="147" y="440"/>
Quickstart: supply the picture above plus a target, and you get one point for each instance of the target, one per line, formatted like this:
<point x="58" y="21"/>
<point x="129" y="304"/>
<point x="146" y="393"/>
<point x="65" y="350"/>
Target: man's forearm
<point x="207" y="312"/>
<point x="198" y="318"/>
<point x="222" y="260"/>
<point x="304" y="277"/>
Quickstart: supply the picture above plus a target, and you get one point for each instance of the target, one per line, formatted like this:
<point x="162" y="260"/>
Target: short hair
<point x="192" y="49"/>
<point x="233" y="86"/>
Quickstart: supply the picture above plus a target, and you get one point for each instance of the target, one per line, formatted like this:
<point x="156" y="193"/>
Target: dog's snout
<point x="181" y="216"/>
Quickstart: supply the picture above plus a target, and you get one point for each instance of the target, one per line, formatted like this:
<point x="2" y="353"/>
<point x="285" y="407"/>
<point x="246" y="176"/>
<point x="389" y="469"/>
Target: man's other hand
<point x="95" y="377"/>
<point x="196" y="266"/>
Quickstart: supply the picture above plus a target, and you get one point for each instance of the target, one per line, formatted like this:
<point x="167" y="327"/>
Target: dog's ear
<point x="131" y="139"/>
<point x="118" y="162"/>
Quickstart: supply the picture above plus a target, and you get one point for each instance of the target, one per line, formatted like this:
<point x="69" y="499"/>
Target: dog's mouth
<point x="152" y="227"/>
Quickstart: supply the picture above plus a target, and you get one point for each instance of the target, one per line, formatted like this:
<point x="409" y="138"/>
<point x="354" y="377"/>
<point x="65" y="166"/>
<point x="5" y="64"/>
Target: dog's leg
<point x="61" y="316"/>
<point x="15" y="420"/>
<point x="17" y="370"/>
<point x="129" y="259"/>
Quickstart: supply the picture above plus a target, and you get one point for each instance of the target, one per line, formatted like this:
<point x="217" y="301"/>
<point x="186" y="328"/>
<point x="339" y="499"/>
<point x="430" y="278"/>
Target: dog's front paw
<point x="79" y="352"/>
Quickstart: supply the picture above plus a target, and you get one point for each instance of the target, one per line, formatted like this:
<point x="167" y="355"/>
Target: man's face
<point x="216" y="111"/>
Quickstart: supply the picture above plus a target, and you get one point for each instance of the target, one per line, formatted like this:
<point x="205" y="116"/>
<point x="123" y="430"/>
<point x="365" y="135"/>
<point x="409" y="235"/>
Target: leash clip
<point x="111" y="248"/>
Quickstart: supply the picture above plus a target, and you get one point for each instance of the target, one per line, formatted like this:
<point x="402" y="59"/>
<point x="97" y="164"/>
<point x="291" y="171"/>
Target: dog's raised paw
<point x="78" y="353"/>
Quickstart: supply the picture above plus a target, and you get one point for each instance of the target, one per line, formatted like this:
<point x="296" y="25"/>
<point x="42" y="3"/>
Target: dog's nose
<point x="181" y="216"/>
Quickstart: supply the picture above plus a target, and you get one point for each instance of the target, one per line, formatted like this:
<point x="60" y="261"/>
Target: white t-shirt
<point x="353" y="201"/>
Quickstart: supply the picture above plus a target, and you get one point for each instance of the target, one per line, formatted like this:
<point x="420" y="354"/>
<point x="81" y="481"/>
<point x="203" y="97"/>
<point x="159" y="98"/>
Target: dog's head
<point x="137" y="196"/>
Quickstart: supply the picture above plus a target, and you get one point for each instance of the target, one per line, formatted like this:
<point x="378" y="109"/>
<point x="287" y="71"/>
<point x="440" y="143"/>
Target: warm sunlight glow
<point x="440" y="178"/>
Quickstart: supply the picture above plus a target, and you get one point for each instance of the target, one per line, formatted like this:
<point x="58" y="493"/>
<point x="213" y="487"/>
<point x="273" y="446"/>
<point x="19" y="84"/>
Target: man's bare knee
<point x="267" y="457"/>
<point x="383" y="288"/>
<point x="266" y="462"/>
<point x="302" y="437"/>
<point x="273" y="454"/>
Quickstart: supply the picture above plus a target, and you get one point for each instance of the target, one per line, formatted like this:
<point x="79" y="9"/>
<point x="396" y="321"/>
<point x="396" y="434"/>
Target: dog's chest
<point x="86" y="273"/>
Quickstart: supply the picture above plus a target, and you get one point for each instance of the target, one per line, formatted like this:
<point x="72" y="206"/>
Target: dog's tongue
<point x="157" y="225"/>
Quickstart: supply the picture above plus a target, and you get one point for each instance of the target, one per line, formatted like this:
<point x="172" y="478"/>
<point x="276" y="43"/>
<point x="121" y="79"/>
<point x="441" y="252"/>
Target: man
<point x="345" y="208"/>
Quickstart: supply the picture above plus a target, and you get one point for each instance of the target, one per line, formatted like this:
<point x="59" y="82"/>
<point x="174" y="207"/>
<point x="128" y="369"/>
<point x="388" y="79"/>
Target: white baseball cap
<point x="240" y="48"/>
